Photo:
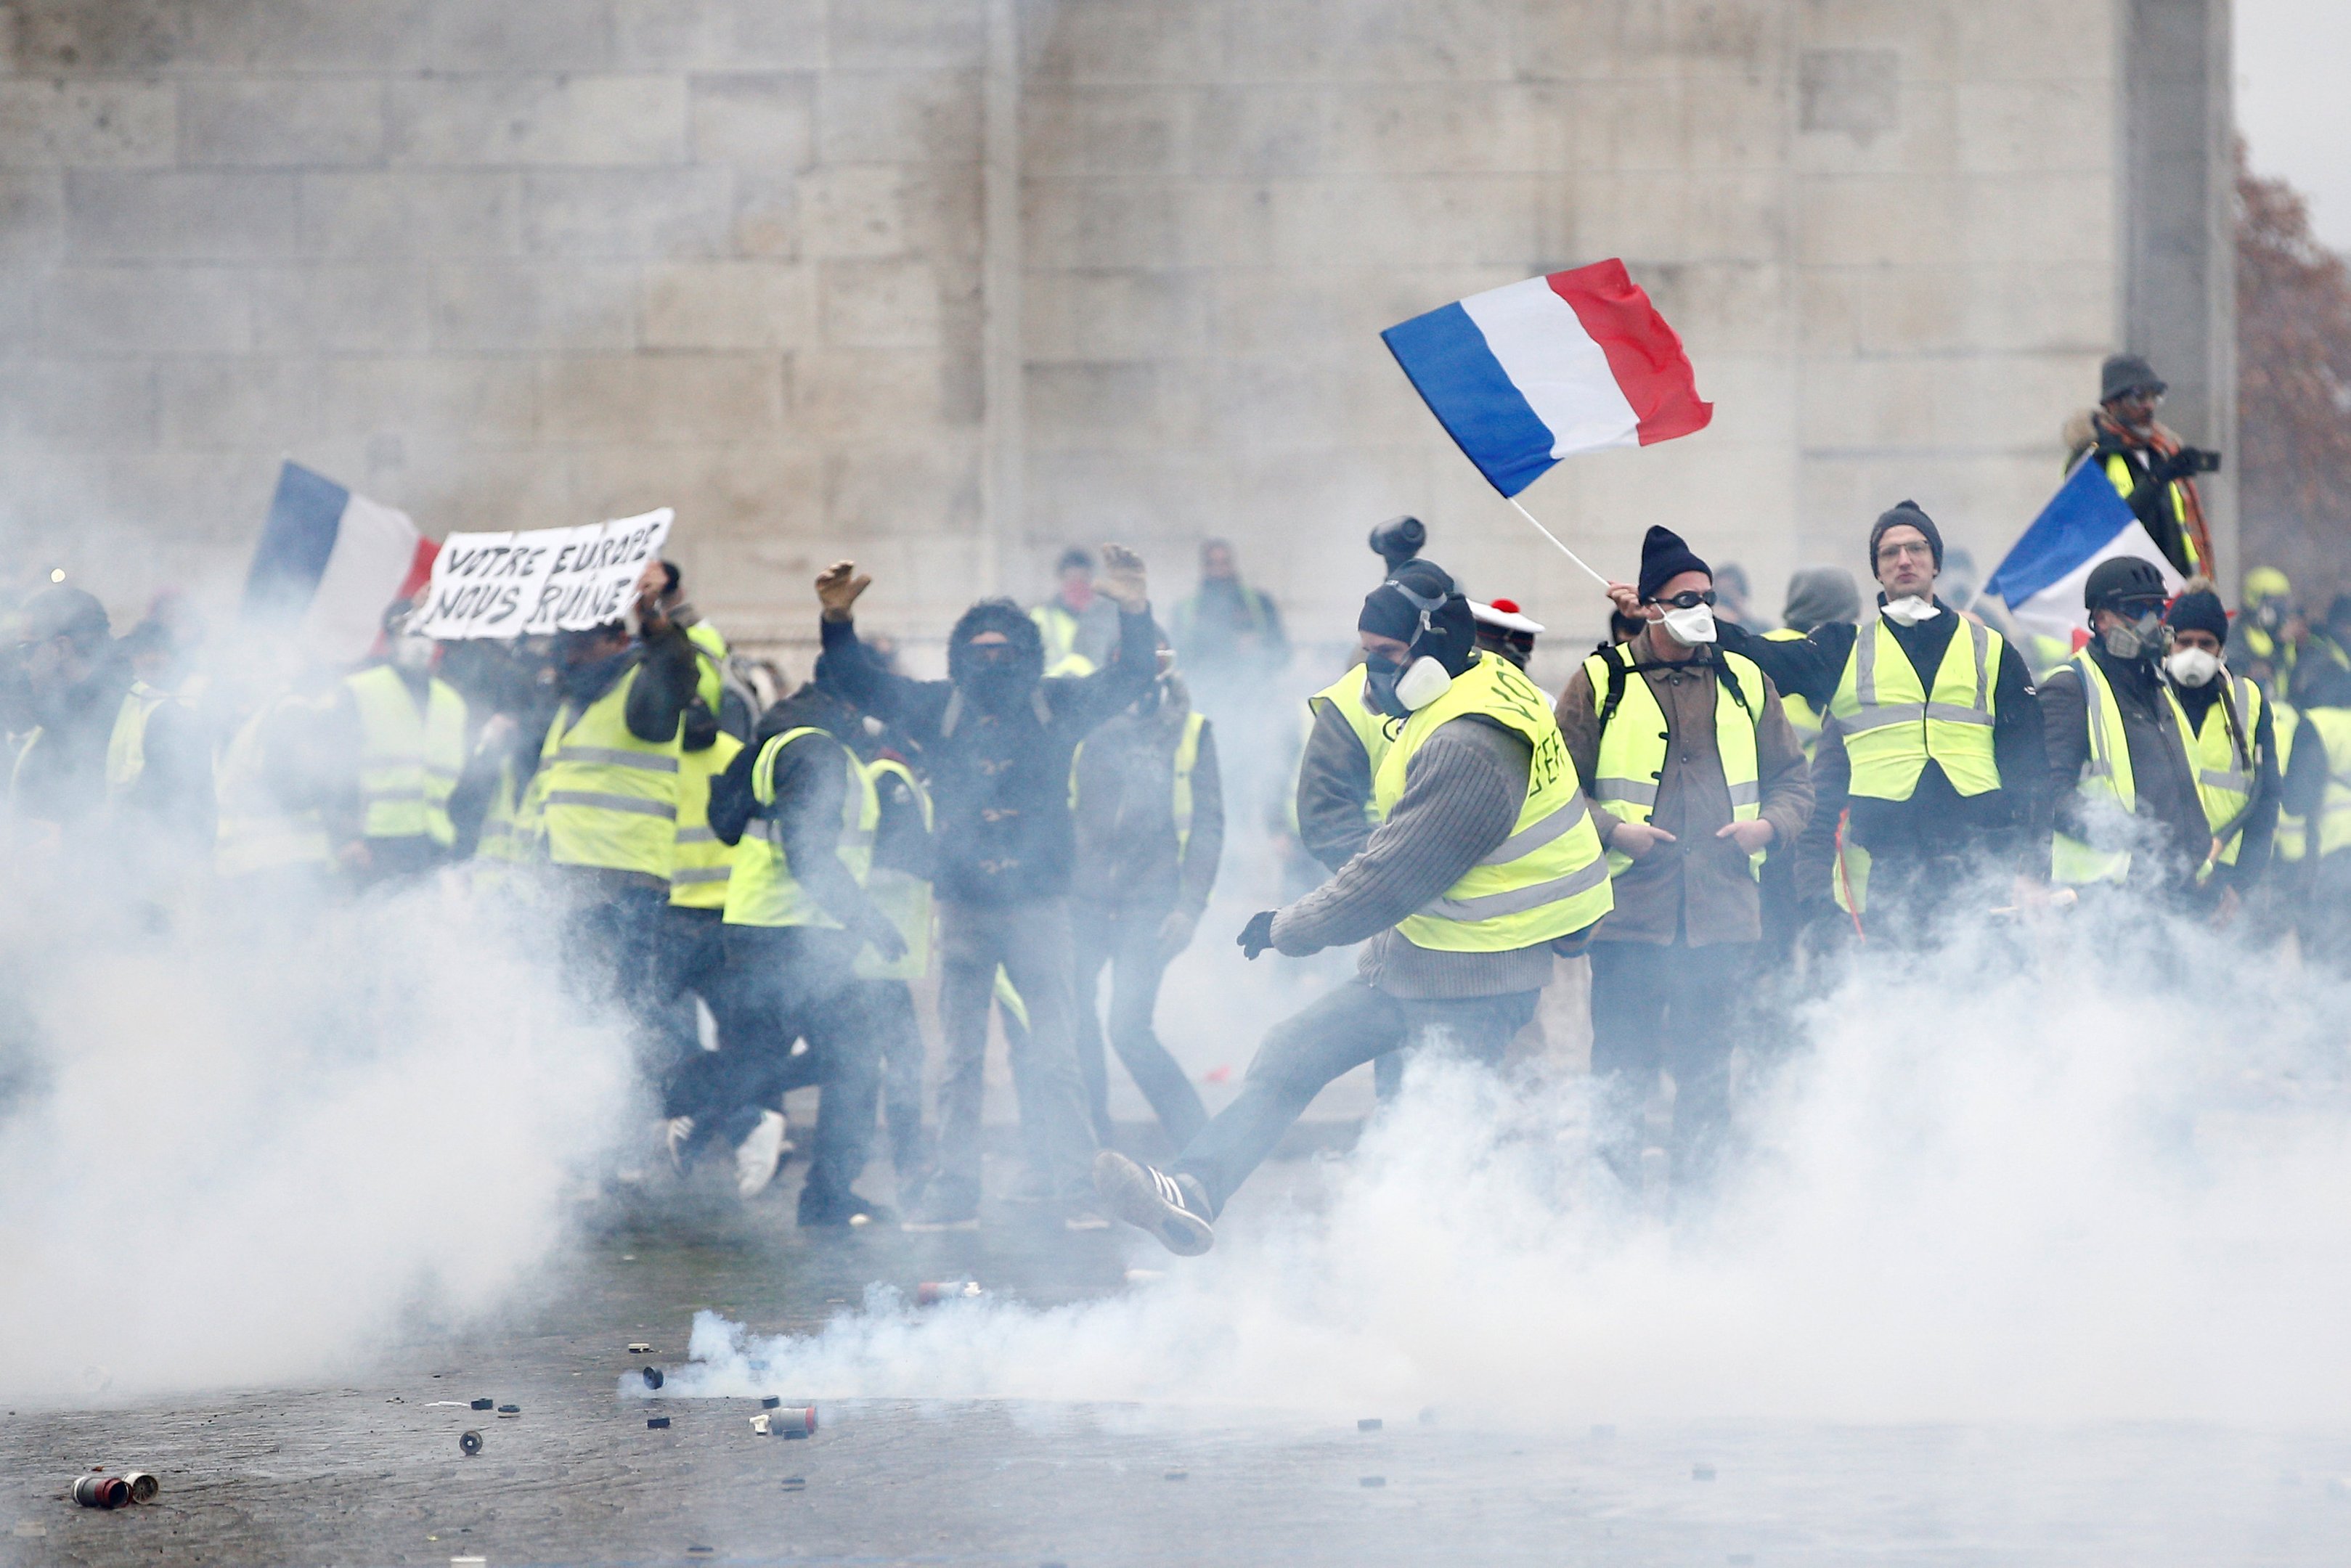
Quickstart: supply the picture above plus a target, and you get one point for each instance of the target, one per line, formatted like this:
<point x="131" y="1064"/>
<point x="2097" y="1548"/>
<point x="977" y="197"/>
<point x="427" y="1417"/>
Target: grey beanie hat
<point x="1820" y="594"/>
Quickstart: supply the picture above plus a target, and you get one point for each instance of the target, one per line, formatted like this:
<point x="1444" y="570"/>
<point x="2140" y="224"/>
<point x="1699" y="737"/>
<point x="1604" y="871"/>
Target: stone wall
<point x="510" y="262"/>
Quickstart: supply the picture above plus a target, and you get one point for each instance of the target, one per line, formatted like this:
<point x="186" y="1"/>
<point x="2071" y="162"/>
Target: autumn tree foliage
<point x="2293" y="390"/>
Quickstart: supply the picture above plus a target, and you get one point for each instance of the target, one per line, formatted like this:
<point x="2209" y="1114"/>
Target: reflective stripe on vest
<point x="2332" y="725"/>
<point x="409" y="762"/>
<point x="606" y="799"/>
<point x="2293" y="837"/>
<point x="700" y="861"/>
<point x="2109" y="790"/>
<point x="1373" y="730"/>
<point x="1633" y="745"/>
<point x="763" y="891"/>
<point x="255" y="832"/>
<point x="1892" y="723"/>
<point x="904" y="897"/>
<point x="1554" y="880"/>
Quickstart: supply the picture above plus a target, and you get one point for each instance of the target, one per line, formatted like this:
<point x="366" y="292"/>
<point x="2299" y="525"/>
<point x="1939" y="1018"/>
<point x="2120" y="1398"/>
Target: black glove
<point x="2184" y="463"/>
<point x="1258" y="935"/>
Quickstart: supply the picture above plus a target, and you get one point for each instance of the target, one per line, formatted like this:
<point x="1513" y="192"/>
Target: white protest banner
<point x="546" y="579"/>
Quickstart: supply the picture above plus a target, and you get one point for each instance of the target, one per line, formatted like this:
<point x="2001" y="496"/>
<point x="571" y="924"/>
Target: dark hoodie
<point x="811" y="781"/>
<point x="997" y="745"/>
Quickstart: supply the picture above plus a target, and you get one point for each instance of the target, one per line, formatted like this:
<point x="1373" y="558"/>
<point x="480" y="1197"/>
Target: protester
<point x="802" y="813"/>
<point x="1932" y="778"/>
<point x="1504" y="629"/>
<point x="1734" y="598"/>
<point x="1485" y="857"/>
<point x="997" y="738"/>
<point x="2148" y="465"/>
<point x="690" y="961"/>
<point x="1080" y="626"/>
<point x="2266" y="636"/>
<point x="2161" y="764"/>
<point x="1817" y="596"/>
<point x="399" y="738"/>
<point x="1149" y="814"/>
<point x="1227" y="634"/>
<point x="2317" y="792"/>
<point x="1697" y="772"/>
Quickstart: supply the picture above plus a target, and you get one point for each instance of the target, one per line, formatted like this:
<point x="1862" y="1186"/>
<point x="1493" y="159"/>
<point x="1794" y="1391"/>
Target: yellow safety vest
<point x="409" y="762"/>
<point x="2224" y="761"/>
<point x="2125" y="476"/>
<point x="1549" y="876"/>
<point x="1802" y="717"/>
<point x="255" y="830"/>
<point x="710" y="660"/>
<point x="763" y="891"/>
<point x="902" y="896"/>
<point x="126" y="747"/>
<point x="2109" y="788"/>
<point x="1633" y="740"/>
<point x="605" y="798"/>
<point x="1892" y="724"/>
<point x="701" y="862"/>
<point x="513" y="834"/>
<point x="2293" y="832"/>
<point x="1345" y="697"/>
<point x="2333" y="728"/>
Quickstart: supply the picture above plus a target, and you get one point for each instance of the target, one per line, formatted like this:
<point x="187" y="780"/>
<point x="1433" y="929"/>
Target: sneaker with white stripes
<point x="1153" y="1200"/>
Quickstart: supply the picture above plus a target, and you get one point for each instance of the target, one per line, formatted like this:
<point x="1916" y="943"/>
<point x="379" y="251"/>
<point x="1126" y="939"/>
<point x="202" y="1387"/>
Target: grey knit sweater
<point x="1463" y="791"/>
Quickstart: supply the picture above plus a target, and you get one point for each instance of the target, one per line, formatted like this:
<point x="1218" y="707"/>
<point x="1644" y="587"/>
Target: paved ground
<point x="371" y="1473"/>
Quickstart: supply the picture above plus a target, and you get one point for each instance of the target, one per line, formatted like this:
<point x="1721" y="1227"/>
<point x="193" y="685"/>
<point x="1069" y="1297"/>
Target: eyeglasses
<point x="1689" y="599"/>
<point x="1896" y="550"/>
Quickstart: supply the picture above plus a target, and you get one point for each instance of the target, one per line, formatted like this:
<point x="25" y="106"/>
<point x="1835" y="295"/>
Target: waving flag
<point x="1524" y="375"/>
<point x="330" y="561"/>
<point x="2086" y="522"/>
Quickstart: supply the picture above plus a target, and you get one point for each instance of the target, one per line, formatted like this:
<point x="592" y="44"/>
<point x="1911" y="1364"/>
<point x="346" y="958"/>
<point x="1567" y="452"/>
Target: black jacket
<point x="1000" y="782"/>
<point x="1937" y="822"/>
<point x="811" y="783"/>
<point x="1127" y="855"/>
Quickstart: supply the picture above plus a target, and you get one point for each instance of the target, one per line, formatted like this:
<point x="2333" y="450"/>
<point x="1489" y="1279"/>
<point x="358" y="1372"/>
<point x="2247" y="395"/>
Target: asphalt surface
<point x="370" y="1472"/>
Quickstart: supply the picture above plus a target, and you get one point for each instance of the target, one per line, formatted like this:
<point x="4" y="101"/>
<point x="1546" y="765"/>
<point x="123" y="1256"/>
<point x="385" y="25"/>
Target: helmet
<point x="2266" y="582"/>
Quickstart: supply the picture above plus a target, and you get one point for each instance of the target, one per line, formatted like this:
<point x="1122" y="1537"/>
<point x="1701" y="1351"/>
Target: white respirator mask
<point x="1691" y="628"/>
<point x="2193" y="666"/>
<point x="1909" y="610"/>
<point x="1422" y="682"/>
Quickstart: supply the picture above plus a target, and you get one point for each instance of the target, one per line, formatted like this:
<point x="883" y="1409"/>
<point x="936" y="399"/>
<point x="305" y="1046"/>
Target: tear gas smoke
<point x="253" y="1153"/>
<point x="2051" y="1183"/>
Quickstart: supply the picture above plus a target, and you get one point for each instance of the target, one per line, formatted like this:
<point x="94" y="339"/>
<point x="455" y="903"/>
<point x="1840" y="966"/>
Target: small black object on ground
<point x="657" y="1423"/>
<point x="470" y="1443"/>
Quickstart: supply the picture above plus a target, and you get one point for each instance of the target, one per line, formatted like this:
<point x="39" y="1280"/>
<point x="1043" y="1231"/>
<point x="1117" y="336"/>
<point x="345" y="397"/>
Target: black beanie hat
<point x="1900" y="514"/>
<point x="1665" y="557"/>
<point x="1451" y="635"/>
<point x="2198" y="610"/>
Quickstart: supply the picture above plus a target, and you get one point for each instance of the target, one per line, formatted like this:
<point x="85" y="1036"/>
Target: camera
<point x="1398" y="541"/>
<point x="2200" y="461"/>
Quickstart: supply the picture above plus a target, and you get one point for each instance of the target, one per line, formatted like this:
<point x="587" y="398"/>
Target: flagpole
<point x="1554" y="538"/>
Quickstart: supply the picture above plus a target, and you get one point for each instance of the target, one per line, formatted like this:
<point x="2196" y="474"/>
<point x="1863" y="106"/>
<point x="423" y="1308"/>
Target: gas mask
<point x="2147" y="638"/>
<point x="2192" y="666"/>
<point x="1400" y="690"/>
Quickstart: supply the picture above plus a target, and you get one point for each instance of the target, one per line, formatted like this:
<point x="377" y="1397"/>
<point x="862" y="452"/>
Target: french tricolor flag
<point x="2043" y="574"/>
<point x="330" y="561"/>
<point x="1524" y="375"/>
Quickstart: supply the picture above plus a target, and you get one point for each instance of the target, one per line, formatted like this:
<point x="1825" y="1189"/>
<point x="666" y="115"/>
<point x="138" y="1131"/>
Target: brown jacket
<point x="1696" y="890"/>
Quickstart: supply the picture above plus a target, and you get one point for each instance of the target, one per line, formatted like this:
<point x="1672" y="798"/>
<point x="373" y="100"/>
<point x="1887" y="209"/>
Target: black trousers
<point x="784" y="984"/>
<point x="1345" y="1029"/>
<point x="1126" y="942"/>
<point x="882" y="1012"/>
<point x="1676" y="1009"/>
<point x="690" y="961"/>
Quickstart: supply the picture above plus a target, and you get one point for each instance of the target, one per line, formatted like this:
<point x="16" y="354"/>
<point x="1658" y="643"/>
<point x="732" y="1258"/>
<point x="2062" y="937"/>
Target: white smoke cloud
<point x="2071" y="1180"/>
<point x="248" y="1154"/>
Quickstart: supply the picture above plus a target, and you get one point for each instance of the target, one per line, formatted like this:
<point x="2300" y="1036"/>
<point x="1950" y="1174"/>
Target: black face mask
<point x="998" y="683"/>
<point x="1380" y="677"/>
